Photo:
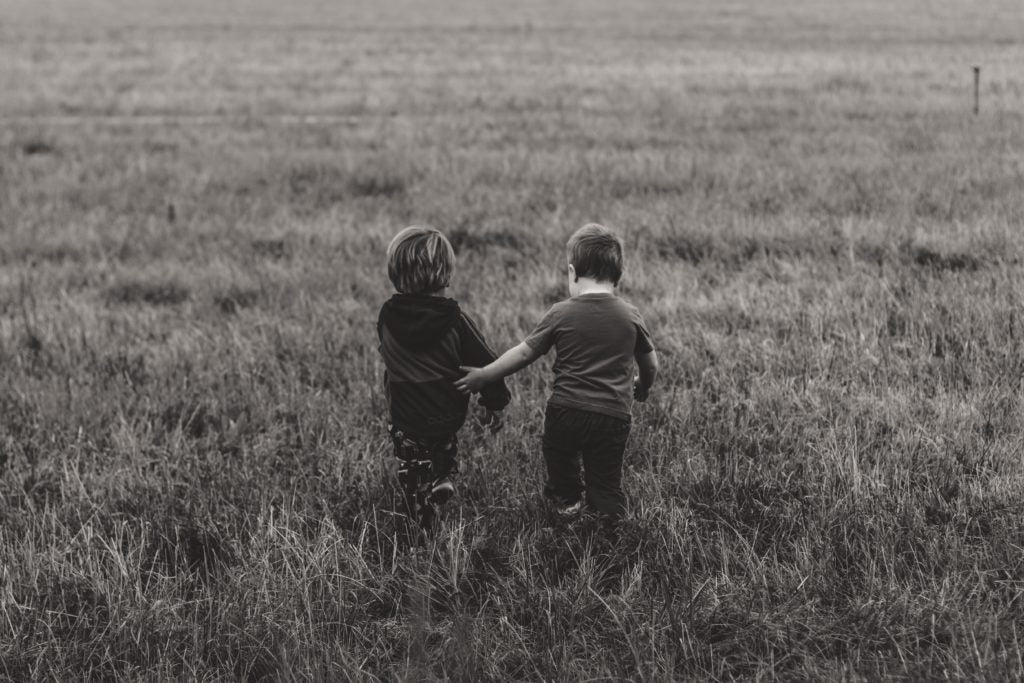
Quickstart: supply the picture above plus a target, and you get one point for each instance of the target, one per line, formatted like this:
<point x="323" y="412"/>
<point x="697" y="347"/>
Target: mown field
<point x="827" y="244"/>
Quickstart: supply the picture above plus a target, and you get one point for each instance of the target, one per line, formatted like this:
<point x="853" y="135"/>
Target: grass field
<point x="827" y="244"/>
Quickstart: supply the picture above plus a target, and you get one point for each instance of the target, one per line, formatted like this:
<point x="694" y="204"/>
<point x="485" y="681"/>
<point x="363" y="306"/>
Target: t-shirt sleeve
<point x="643" y="336"/>
<point x="543" y="335"/>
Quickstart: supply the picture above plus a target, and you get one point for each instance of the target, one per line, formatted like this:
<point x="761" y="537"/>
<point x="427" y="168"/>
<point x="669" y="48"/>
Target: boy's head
<point x="420" y="261"/>
<point x="596" y="252"/>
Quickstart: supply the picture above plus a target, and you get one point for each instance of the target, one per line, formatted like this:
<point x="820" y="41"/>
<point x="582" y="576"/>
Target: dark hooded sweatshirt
<point x="424" y="339"/>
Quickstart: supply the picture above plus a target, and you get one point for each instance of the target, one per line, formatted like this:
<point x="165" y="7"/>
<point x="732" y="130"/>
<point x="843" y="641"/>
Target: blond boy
<point x="424" y="338"/>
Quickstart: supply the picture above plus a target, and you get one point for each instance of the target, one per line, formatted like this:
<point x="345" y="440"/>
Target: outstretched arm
<point x="647" y="363"/>
<point x="516" y="358"/>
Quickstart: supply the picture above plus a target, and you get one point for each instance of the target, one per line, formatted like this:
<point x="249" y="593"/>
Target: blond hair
<point x="420" y="260"/>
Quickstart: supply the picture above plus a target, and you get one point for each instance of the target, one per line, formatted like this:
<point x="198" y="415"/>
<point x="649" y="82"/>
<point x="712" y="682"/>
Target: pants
<point x="600" y="441"/>
<point x="422" y="463"/>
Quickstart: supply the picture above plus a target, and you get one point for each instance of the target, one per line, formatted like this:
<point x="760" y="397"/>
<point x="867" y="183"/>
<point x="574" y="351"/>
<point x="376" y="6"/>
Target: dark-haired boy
<point x="424" y="338"/>
<point x="597" y="337"/>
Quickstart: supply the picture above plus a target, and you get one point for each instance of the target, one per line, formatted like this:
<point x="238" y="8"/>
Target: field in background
<point x="827" y="245"/>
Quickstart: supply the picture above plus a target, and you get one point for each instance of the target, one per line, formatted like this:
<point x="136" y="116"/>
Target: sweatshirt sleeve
<point x="476" y="353"/>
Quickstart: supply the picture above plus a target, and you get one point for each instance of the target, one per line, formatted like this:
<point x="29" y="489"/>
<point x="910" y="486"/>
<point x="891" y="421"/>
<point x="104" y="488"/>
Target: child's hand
<point x="640" y="393"/>
<point x="473" y="382"/>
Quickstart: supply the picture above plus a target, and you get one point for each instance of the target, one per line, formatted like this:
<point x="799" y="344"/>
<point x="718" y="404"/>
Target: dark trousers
<point x="572" y="435"/>
<point x="421" y="463"/>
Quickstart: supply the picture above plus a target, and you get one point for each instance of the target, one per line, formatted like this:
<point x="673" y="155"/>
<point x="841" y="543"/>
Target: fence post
<point x="977" y="89"/>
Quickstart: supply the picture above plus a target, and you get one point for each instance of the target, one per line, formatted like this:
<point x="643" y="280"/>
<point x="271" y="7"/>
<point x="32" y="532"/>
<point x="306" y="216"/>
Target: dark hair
<point x="596" y="252"/>
<point x="420" y="261"/>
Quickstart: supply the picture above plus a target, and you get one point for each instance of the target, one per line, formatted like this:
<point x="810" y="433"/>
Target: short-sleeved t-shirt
<point x="595" y="337"/>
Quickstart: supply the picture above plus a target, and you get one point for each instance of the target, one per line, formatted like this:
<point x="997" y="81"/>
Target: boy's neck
<point x="587" y="285"/>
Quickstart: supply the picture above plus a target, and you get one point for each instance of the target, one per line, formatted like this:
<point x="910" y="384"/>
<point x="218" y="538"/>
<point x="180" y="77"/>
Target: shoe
<point x="441" y="492"/>
<point x="568" y="510"/>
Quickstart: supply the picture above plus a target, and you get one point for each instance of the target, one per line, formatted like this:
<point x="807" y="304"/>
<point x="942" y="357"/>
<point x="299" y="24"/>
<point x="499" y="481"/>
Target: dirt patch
<point x="689" y="248"/>
<point x="322" y="184"/>
<point x="700" y="248"/>
<point x="235" y="299"/>
<point x="376" y="183"/>
<point x="272" y="248"/>
<point x="38" y="147"/>
<point x="938" y="262"/>
<point x="316" y="184"/>
<point x="737" y="252"/>
<point x="168" y="293"/>
<point x="463" y="239"/>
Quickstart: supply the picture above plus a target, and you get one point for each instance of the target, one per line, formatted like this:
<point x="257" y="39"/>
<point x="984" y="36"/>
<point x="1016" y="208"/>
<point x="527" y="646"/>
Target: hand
<point x="640" y="393"/>
<point x="472" y="382"/>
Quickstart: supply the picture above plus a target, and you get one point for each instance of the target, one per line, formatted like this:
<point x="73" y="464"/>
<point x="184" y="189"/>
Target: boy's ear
<point x="572" y="273"/>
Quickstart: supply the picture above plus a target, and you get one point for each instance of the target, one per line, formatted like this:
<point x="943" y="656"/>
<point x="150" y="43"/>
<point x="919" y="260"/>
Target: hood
<point x="418" y="320"/>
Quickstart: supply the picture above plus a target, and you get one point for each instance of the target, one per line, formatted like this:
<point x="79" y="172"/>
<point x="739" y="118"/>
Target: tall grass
<point x="194" y="475"/>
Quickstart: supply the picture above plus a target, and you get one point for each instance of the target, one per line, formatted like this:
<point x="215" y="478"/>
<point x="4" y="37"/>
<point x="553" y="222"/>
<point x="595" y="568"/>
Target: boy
<point x="424" y="338"/>
<point x="596" y="336"/>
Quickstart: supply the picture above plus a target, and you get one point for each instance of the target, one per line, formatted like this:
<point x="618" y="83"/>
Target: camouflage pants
<point x="421" y="464"/>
